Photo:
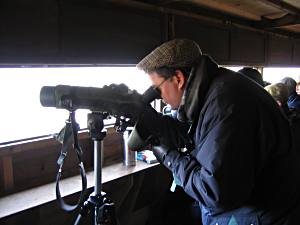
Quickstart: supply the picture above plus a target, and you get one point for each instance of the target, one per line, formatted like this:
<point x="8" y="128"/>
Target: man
<point x="280" y="93"/>
<point x="238" y="161"/>
<point x="253" y="74"/>
<point x="294" y="98"/>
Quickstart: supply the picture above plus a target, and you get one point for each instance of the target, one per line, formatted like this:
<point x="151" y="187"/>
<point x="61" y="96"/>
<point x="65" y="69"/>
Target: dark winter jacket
<point x="243" y="169"/>
<point x="294" y="101"/>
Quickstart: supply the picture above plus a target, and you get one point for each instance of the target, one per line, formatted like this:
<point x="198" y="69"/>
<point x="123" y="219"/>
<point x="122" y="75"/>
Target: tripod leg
<point x="78" y="219"/>
<point x="84" y="210"/>
<point x="105" y="214"/>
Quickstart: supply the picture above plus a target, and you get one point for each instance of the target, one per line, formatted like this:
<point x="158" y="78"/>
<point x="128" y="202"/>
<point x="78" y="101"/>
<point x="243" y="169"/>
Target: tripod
<point x="98" y="204"/>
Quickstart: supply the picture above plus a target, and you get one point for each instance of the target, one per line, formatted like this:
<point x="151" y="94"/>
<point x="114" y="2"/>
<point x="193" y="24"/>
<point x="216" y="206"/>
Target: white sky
<point x="22" y="115"/>
<point x="274" y="75"/>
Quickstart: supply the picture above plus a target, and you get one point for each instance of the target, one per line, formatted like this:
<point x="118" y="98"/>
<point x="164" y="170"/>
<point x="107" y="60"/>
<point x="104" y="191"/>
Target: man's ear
<point x="180" y="78"/>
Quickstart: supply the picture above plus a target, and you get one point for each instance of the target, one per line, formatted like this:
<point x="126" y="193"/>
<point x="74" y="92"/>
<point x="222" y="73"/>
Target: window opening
<point x="22" y="115"/>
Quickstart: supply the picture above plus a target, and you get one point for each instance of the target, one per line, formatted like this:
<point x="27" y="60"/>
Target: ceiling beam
<point x="167" y="2"/>
<point x="257" y="26"/>
<point x="279" y="4"/>
<point x="286" y="20"/>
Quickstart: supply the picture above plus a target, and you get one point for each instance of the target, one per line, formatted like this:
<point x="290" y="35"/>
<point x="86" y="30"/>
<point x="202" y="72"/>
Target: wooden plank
<point x="208" y="37"/>
<point x="242" y="51"/>
<point x="24" y="200"/>
<point x="34" y="163"/>
<point x="8" y="175"/>
<point x="296" y="55"/>
<point x="280" y="51"/>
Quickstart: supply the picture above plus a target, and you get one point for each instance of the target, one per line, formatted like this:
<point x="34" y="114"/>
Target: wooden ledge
<point x="24" y="200"/>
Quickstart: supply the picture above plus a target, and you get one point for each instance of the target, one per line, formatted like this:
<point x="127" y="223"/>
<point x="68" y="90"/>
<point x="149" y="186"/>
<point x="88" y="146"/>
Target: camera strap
<point x="68" y="136"/>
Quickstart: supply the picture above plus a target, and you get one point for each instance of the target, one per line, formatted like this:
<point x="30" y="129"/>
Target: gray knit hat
<point x="279" y="92"/>
<point x="290" y="83"/>
<point x="175" y="53"/>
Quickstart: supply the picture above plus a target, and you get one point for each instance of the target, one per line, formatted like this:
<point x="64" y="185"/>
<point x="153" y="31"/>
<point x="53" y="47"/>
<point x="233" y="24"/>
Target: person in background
<point x="253" y="74"/>
<point x="280" y="93"/>
<point x="294" y="99"/>
<point x="235" y="158"/>
<point x="298" y="88"/>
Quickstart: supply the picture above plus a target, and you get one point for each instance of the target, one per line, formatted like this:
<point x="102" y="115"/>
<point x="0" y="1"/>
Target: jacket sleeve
<point x="221" y="170"/>
<point x="154" y="125"/>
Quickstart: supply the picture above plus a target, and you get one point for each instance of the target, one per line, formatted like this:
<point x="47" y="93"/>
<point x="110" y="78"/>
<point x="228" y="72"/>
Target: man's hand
<point x="160" y="152"/>
<point x="124" y="101"/>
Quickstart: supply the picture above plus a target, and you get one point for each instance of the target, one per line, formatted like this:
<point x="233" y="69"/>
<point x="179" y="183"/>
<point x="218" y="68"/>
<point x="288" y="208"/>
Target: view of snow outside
<point x="22" y="115"/>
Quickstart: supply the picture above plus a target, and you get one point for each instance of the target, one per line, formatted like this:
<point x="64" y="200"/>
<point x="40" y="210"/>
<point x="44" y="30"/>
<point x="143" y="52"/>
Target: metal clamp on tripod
<point x="98" y="204"/>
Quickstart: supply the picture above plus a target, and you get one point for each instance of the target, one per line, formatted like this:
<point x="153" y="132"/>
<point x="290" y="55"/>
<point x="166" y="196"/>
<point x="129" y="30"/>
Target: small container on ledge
<point x="129" y="157"/>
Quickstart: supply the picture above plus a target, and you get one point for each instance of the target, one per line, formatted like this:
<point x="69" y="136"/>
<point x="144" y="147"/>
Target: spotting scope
<point x="115" y="99"/>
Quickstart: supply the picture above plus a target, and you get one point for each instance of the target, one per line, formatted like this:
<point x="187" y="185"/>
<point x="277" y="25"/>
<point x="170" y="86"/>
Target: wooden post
<point x="8" y="175"/>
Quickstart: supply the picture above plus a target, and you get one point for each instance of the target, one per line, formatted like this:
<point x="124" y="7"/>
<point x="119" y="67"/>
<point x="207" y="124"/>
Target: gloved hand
<point x="154" y="128"/>
<point x="169" y="157"/>
<point x="129" y="102"/>
<point x="124" y="101"/>
<point x="160" y="152"/>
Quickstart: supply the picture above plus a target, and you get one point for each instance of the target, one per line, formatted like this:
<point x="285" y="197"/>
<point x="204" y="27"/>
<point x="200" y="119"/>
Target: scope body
<point x="114" y="99"/>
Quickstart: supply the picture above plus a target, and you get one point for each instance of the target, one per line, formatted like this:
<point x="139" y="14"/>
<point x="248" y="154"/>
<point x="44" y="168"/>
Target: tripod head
<point x="95" y="125"/>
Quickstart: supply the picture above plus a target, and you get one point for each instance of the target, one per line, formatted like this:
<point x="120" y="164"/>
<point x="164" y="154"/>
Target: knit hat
<point x="290" y="83"/>
<point x="174" y="54"/>
<point x="279" y="92"/>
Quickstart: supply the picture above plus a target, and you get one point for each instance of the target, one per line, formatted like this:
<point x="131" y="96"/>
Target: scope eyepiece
<point x="47" y="96"/>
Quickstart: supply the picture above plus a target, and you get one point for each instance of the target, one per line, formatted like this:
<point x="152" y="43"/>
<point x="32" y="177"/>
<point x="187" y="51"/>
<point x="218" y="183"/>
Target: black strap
<point x="68" y="136"/>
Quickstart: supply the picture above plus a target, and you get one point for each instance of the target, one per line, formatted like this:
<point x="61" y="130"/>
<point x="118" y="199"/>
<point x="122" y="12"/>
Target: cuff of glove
<point x="147" y="122"/>
<point x="165" y="156"/>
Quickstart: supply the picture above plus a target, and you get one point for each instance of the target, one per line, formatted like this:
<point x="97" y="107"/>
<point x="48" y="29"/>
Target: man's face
<point x="171" y="89"/>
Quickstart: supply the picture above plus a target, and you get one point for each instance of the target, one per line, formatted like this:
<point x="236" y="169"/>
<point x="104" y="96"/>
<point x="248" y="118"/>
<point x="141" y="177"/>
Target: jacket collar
<point x="200" y="78"/>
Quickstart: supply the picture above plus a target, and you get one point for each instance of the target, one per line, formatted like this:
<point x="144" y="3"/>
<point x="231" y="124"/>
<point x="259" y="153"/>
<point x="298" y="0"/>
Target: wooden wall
<point x="75" y="32"/>
<point x="24" y="166"/>
<point x="94" y="32"/>
<point x="230" y="45"/>
<point x="142" y="198"/>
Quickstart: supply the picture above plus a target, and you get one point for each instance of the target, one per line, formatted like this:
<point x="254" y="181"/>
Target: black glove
<point x="124" y="101"/>
<point x="160" y="152"/>
<point x="155" y="129"/>
<point x="129" y="102"/>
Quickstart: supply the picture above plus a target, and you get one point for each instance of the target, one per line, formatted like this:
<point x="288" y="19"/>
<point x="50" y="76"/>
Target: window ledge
<point x="24" y="200"/>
